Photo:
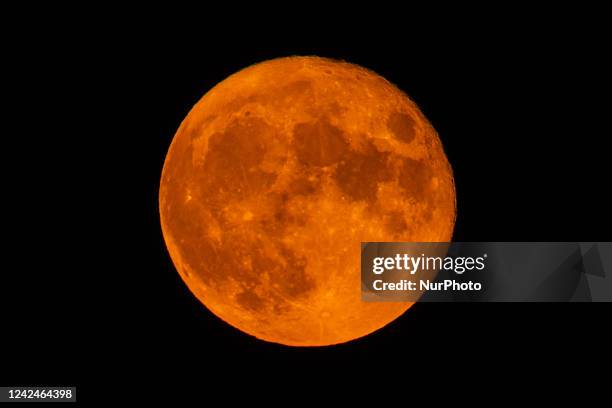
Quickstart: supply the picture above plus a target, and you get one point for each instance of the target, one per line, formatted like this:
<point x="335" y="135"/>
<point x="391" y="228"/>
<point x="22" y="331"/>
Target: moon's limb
<point x="276" y="176"/>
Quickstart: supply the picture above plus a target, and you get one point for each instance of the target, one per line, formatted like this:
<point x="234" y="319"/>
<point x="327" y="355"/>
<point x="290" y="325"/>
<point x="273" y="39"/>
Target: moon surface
<point x="274" y="179"/>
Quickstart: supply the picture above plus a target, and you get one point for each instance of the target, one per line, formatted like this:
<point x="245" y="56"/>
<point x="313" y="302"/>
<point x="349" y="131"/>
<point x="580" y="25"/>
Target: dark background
<point x="92" y="297"/>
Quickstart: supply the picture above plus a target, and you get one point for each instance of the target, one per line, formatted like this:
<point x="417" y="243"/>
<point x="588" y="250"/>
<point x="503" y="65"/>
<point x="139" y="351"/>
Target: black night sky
<point x="93" y="297"/>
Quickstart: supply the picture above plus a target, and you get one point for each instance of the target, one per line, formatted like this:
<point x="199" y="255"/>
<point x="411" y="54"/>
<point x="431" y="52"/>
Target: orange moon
<point x="274" y="179"/>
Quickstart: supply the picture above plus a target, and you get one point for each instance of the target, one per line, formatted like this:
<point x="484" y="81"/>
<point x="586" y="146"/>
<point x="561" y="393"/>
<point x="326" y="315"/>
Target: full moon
<point x="274" y="179"/>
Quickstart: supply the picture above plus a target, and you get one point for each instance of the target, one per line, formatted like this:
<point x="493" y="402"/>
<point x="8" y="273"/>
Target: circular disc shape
<point x="274" y="179"/>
